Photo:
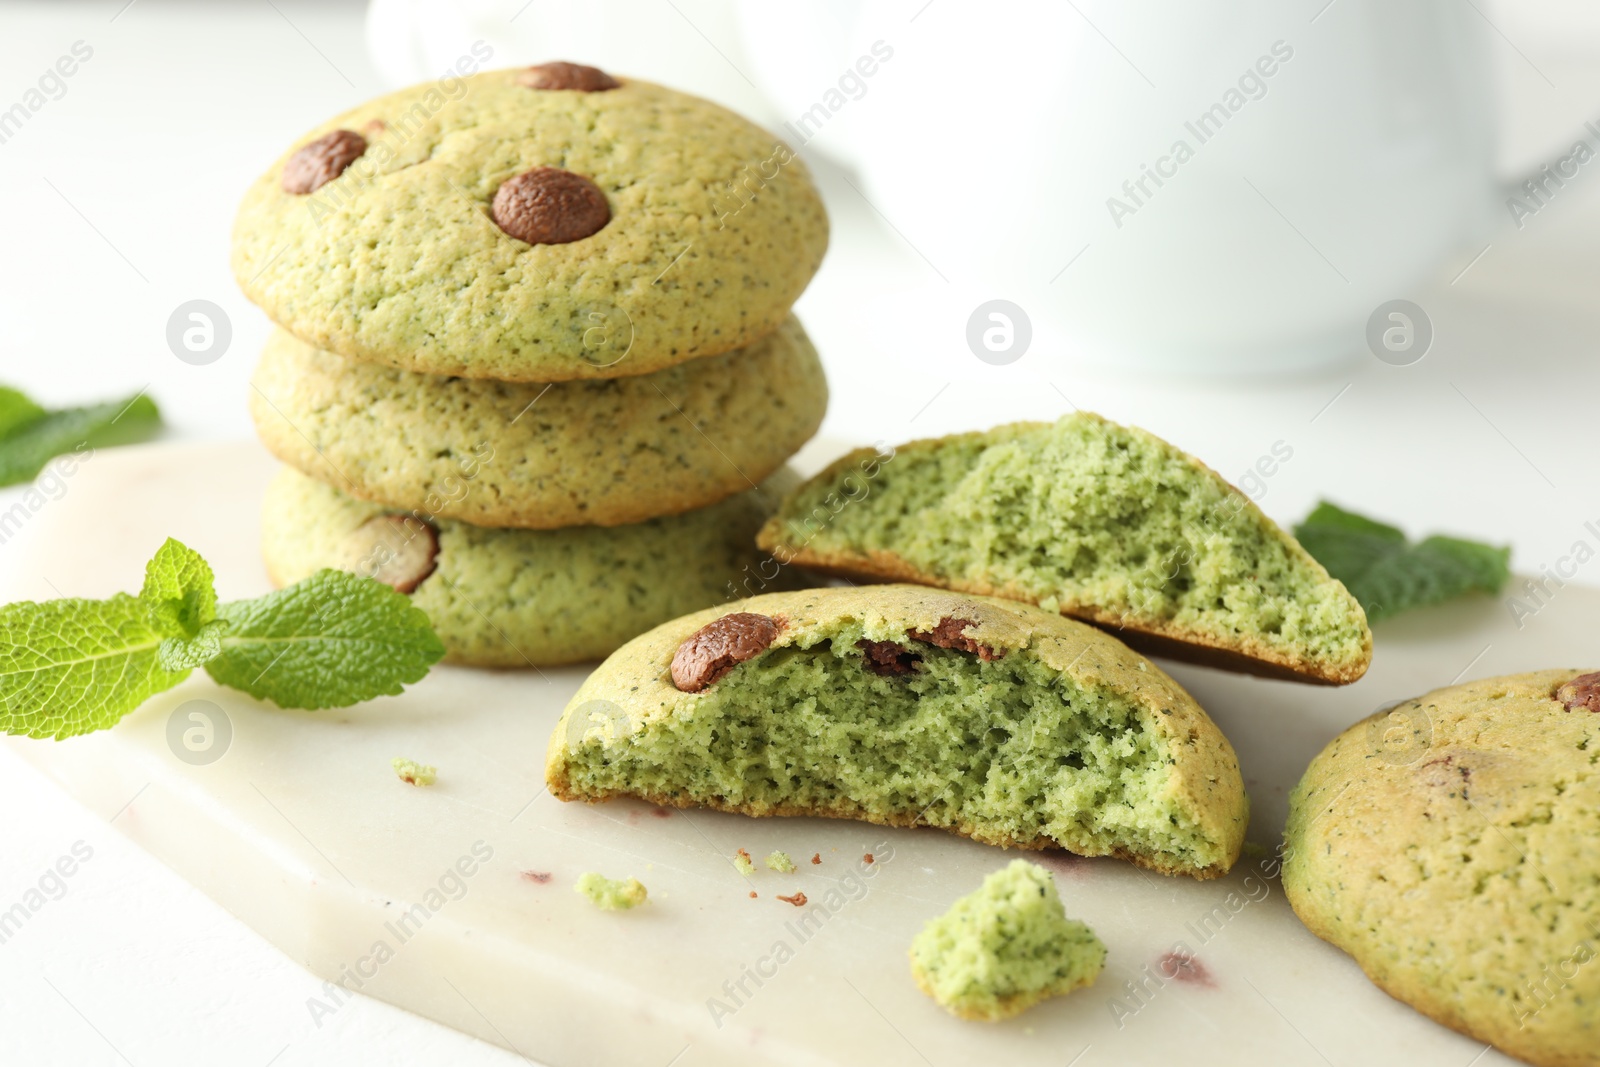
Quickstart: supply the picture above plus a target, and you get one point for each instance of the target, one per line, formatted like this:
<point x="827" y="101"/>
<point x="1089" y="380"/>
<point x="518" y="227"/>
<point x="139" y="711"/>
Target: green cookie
<point x="493" y="453"/>
<point x="1448" y="845"/>
<point x="710" y="227"/>
<point x="521" y="598"/>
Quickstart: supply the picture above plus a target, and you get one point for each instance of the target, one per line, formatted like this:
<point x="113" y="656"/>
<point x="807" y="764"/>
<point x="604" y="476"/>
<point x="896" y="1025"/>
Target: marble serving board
<point x="456" y="901"/>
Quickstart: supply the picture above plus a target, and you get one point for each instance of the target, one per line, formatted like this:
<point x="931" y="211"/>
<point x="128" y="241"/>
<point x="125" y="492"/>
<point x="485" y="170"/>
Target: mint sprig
<point x="31" y="436"/>
<point x="1387" y="573"/>
<point x="71" y="667"/>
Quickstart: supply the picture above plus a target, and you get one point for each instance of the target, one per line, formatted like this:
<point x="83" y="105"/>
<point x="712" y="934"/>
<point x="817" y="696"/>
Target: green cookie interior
<point x="1008" y="750"/>
<point x="1096" y="520"/>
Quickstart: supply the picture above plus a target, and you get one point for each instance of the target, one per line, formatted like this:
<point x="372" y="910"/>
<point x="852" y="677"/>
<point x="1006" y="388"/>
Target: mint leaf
<point x="332" y="640"/>
<point x="1387" y="574"/>
<point x="16" y="411"/>
<point x="69" y="667"/>
<point x="30" y="443"/>
<point x="179" y="589"/>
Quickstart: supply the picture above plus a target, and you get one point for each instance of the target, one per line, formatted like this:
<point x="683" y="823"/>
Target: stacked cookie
<point x="536" y="365"/>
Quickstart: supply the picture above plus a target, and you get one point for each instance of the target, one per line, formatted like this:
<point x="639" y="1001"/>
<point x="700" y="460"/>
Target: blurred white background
<point x="1227" y="313"/>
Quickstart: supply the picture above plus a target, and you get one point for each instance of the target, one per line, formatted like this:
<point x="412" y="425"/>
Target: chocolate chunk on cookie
<point x="718" y="647"/>
<point x="321" y="161"/>
<point x="397" y="550"/>
<point x="561" y="75"/>
<point x="1581" y="693"/>
<point x="952" y="633"/>
<point x="550" y="206"/>
<point x="886" y="657"/>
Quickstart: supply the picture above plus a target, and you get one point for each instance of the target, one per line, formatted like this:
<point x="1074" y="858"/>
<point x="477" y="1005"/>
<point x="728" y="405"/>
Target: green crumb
<point x="609" y="894"/>
<point x="742" y="860"/>
<point x="413" y="773"/>
<point x="780" y="861"/>
<point x="1005" y="947"/>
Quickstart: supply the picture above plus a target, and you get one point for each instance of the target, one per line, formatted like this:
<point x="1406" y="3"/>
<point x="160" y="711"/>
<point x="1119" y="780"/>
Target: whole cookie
<point x="1448" y="845"/>
<point x="493" y="453"/>
<point x="537" y="224"/>
<point x="521" y="598"/>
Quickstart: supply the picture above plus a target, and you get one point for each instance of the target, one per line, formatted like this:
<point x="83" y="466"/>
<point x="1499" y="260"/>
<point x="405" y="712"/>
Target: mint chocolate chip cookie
<point x="908" y="706"/>
<point x="542" y="224"/>
<point x="520" y="598"/>
<point x="1448" y="845"/>
<point x="1102" y="522"/>
<point x="602" y="453"/>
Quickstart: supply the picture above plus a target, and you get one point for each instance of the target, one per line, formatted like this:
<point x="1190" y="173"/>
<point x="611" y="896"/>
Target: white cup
<point x="1205" y="185"/>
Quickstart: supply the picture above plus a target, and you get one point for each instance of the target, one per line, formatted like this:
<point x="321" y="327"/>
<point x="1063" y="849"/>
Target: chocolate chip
<point x="550" y="206"/>
<point x="718" y="647"/>
<point x="397" y="550"/>
<point x="321" y="161"/>
<point x="560" y="75"/>
<point x="888" y="658"/>
<point x="1582" y="693"/>
<point x="951" y="633"/>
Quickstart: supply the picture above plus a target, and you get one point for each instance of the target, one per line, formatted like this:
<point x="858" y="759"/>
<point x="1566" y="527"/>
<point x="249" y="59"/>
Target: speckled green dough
<point x="518" y="598"/>
<point x="1102" y="522"/>
<point x="568" y="454"/>
<point x="715" y="230"/>
<point x="1449" y="846"/>
<point x="1004" y="947"/>
<point x="1067" y="740"/>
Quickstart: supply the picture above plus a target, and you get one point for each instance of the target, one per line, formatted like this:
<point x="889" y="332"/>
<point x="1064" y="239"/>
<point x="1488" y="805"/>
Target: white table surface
<point x="120" y="198"/>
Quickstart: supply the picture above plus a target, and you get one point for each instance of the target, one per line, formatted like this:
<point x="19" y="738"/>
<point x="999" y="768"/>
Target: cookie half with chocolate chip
<point x="537" y="224"/>
<point x="526" y="598"/>
<point x="908" y="706"/>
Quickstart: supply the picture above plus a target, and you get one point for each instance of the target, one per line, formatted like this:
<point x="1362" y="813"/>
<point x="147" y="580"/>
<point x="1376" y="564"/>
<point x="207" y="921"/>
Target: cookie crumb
<point x="798" y="900"/>
<point x="752" y="894"/>
<point x="611" y="894"/>
<point x="780" y="862"/>
<point x="816" y="857"/>
<point x="413" y="773"/>
<point x="741" y="860"/>
<point x="867" y="859"/>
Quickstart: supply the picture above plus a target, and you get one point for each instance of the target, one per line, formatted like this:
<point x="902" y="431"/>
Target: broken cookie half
<point x="909" y="706"/>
